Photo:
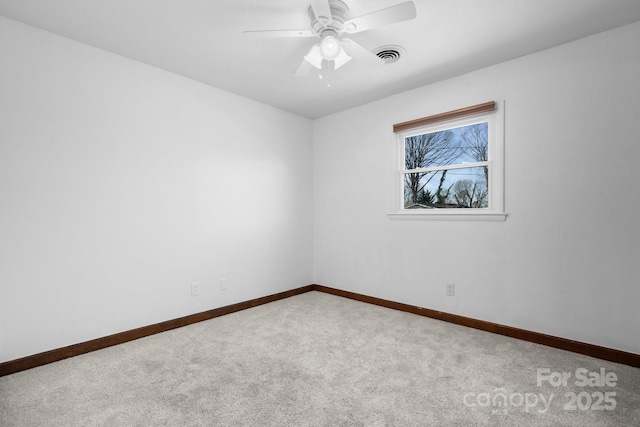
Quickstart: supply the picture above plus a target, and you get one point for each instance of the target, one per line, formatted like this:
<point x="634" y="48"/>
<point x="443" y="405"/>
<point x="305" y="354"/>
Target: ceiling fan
<point x="329" y="21"/>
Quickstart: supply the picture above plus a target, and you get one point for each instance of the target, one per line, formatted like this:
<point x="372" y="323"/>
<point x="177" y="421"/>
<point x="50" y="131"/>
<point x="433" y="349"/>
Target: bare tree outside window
<point x="476" y="145"/>
<point x="469" y="194"/>
<point x="459" y="186"/>
<point x="423" y="151"/>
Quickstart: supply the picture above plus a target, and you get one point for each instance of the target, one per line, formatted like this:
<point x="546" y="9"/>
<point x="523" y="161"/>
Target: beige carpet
<point x="320" y="360"/>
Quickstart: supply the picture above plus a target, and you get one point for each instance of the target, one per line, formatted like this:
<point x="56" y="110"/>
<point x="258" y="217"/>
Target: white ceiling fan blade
<point x="280" y="33"/>
<point x="322" y="10"/>
<point x="360" y="52"/>
<point x="398" y="13"/>
<point x="303" y="69"/>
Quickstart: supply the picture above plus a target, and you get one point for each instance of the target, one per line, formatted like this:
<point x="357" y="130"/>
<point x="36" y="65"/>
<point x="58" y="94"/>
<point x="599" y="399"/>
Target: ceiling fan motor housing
<point x="329" y="26"/>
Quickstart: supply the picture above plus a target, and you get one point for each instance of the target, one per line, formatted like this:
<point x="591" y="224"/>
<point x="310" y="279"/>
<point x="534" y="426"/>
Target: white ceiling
<point x="203" y="40"/>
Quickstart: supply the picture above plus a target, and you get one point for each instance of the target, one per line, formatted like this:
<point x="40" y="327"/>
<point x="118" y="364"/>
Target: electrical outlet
<point x="195" y="289"/>
<point x="450" y="289"/>
<point x="223" y="284"/>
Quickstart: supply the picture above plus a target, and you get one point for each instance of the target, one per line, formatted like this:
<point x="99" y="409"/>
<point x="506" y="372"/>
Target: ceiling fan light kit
<point x="314" y="57"/>
<point x="330" y="48"/>
<point x="329" y="21"/>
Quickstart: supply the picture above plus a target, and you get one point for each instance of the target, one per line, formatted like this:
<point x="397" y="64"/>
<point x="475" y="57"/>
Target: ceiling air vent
<point x="389" y="54"/>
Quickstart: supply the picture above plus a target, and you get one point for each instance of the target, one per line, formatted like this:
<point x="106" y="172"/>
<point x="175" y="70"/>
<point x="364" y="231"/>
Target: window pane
<point x="452" y="188"/>
<point x="447" y="147"/>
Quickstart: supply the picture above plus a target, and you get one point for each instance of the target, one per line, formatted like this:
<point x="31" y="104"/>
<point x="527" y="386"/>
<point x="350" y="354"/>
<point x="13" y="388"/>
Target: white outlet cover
<point x="195" y="289"/>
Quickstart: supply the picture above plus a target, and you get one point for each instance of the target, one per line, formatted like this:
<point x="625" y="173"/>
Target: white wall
<point x="567" y="260"/>
<point x="121" y="184"/>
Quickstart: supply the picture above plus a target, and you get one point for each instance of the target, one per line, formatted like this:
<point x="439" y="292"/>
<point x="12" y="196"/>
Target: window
<point x="450" y="166"/>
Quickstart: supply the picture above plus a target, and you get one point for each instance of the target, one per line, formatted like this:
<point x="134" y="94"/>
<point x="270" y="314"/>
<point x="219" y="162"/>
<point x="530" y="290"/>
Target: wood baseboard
<point x="55" y="355"/>
<point x="39" y="359"/>
<point x="592" y="350"/>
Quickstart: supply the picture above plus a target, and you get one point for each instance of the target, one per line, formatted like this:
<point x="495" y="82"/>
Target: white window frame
<point x="495" y="135"/>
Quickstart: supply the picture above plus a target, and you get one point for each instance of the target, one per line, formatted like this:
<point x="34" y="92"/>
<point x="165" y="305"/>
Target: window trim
<point x="445" y="117"/>
<point x="491" y="112"/>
